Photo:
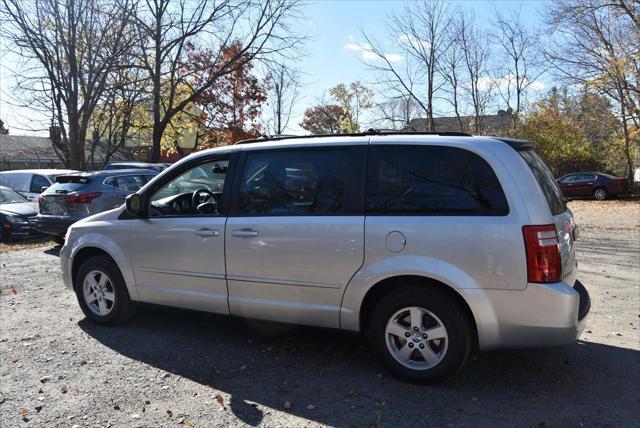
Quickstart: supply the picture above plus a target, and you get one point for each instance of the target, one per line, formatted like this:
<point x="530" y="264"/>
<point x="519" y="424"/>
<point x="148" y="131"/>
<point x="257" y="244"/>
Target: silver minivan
<point x="433" y="245"/>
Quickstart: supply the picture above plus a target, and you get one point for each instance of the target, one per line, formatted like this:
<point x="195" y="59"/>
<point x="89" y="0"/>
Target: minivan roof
<point x="517" y="144"/>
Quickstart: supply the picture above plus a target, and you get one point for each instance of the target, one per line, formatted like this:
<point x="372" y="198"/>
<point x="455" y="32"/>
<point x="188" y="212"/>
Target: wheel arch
<point x="382" y="288"/>
<point x="84" y="254"/>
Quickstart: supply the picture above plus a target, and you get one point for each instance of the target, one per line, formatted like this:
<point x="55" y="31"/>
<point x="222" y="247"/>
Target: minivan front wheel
<point x="102" y="292"/>
<point x="420" y="334"/>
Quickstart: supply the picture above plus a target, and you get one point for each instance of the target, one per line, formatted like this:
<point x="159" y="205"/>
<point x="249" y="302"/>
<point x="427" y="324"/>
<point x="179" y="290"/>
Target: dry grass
<point x="617" y="213"/>
<point x="6" y="247"/>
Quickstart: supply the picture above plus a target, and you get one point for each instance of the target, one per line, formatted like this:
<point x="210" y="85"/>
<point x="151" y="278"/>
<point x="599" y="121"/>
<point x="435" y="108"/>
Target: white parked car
<point x="30" y="182"/>
<point x="433" y="245"/>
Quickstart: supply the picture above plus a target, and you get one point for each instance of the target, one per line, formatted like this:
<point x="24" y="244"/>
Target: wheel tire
<point x="448" y="312"/>
<point x="121" y="308"/>
<point x="58" y="240"/>
<point x="600" y="193"/>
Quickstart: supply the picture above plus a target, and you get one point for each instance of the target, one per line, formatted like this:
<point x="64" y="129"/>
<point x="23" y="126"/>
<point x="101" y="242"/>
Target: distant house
<point x="26" y="152"/>
<point x="490" y="124"/>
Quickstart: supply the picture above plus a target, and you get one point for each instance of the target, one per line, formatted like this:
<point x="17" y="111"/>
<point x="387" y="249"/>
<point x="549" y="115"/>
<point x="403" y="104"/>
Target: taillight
<point x="84" y="198"/>
<point x="543" y="253"/>
<point x="40" y="199"/>
<point x="622" y="182"/>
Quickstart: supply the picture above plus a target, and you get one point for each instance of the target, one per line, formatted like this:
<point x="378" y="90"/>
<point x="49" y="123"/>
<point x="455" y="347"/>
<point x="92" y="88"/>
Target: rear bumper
<point x="540" y="315"/>
<point x="52" y="225"/>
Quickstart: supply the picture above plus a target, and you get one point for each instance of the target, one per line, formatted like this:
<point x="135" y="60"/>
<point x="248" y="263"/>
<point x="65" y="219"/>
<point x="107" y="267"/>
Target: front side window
<point x="296" y="182"/>
<point x="37" y="183"/>
<point x="431" y="180"/>
<point x="195" y="192"/>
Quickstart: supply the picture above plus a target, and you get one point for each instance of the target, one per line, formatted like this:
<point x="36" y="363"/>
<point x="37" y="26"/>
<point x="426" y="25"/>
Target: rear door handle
<point x="207" y="232"/>
<point x="244" y="232"/>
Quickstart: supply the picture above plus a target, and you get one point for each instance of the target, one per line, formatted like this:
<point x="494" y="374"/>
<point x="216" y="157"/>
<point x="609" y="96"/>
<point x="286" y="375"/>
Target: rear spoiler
<point x="72" y="179"/>
<point x="516" y="144"/>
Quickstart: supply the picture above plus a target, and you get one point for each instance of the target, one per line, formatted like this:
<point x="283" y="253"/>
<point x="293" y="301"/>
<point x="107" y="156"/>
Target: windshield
<point x="8" y="196"/>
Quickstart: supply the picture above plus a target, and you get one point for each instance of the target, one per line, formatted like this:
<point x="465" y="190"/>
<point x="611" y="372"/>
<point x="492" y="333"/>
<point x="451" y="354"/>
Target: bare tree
<point x="421" y="33"/>
<point x="396" y="113"/>
<point x="76" y="44"/>
<point x="451" y="68"/>
<point x="596" y="44"/>
<point x="284" y="92"/>
<point x="172" y="28"/>
<point x="117" y="116"/>
<point x="521" y="69"/>
<point x="475" y="51"/>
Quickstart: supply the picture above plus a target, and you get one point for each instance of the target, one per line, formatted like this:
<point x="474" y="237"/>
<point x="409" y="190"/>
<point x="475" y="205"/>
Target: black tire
<point x="122" y="308"/>
<point x="600" y="193"/>
<point x="446" y="309"/>
<point x="58" y="240"/>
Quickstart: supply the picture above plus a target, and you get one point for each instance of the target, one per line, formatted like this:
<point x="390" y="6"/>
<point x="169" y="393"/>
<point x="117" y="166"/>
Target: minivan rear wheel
<point x="420" y="334"/>
<point x="102" y="292"/>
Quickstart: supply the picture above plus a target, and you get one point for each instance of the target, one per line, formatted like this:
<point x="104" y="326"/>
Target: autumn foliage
<point x="229" y="109"/>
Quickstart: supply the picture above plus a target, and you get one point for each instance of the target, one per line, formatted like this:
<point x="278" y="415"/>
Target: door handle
<point x="207" y="232"/>
<point x="246" y="232"/>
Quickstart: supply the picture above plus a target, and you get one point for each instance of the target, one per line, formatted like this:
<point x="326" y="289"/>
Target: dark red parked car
<point x="595" y="184"/>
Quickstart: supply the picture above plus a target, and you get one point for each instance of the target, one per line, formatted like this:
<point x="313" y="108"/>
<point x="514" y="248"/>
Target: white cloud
<point x="393" y="57"/>
<point x="412" y="41"/>
<point x="366" y="52"/>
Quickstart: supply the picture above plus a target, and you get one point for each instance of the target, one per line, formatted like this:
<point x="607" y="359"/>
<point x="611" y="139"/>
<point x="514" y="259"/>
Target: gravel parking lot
<point x="172" y="367"/>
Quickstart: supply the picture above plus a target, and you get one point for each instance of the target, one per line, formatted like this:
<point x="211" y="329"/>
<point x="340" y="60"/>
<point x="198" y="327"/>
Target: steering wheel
<point x="196" y="198"/>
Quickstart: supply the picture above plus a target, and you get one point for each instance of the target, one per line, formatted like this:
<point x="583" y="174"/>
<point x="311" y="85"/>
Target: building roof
<point x="491" y="124"/>
<point x="31" y="147"/>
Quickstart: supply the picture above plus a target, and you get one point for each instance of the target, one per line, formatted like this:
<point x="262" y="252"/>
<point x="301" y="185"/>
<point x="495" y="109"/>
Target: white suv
<point x="433" y="245"/>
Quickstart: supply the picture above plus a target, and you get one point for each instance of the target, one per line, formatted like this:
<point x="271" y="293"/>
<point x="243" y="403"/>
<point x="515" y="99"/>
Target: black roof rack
<point x="369" y="132"/>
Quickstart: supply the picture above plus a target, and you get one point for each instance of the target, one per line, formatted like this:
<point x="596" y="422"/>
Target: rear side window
<point x="37" y="183"/>
<point x="431" y="180"/>
<point x="546" y="181"/>
<point x="297" y="182"/>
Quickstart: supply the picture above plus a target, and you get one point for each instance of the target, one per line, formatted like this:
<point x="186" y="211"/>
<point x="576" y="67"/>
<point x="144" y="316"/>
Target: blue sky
<point x="335" y="24"/>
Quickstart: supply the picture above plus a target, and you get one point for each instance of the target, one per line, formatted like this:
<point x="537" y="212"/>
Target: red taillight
<point x="622" y="182"/>
<point x="543" y="253"/>
<point x="84" y="198"/>
<point x="40" y="199"/>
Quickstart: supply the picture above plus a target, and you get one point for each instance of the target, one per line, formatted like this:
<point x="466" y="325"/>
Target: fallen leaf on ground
<point x="220" y="399"/>
<point x="13" y="290"/>
<point x="64" y="388"/>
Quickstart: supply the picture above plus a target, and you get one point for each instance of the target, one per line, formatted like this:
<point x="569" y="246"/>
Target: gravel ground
<point x="173" y="367"/>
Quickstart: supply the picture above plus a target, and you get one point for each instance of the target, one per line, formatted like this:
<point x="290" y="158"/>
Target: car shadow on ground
<point x="331" y="377"/>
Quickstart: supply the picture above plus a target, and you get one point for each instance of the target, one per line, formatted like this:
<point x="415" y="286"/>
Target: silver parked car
<point x="76" y="196"/>
<point x="31" y="182"/>
<point x="434" y="245"/>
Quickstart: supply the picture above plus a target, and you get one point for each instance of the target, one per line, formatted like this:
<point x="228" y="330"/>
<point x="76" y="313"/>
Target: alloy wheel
<point x="98" y="292"/>
<point x="416" y="338"/>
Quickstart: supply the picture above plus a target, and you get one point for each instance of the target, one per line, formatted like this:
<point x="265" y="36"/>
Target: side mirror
<point x="133" y="204"/>
<point x="43" y="188"/>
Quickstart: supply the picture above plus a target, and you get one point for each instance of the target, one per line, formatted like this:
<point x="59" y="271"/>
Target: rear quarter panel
<point x="464" y="252"/>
